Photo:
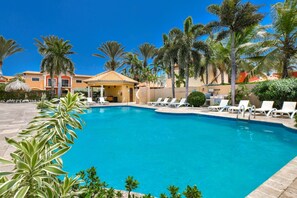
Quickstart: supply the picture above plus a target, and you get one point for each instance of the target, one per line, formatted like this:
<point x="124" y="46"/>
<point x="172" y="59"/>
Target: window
<point x="78" y="81"/>
<point x="49" y="82"/>
<point x="35" y="79"/>
<point x="65" y="83"/>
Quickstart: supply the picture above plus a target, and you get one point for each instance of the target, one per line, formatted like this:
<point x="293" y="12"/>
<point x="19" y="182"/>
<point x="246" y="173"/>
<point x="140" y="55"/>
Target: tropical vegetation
<point x="56" y="60"/>
<point x="277" y="91"/>
<point x="234" y="16"/>
<point x="196" y="99"/>
<point x="113" y="52"/>
<point x="7" y="48"/>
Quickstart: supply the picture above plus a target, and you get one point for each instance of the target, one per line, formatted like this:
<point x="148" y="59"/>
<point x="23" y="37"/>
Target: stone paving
<point x="13" y="118"/>
<point x="283" y="184"/>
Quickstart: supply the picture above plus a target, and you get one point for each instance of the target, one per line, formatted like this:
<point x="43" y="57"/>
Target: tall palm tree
<point x="234" y="17"/>
<point x="7" y="48"/>
<point x="114" y="53"/>
<point x="55" y="52"/>
<point x="191" y="50"/>
<point x="282" y="42"/>
<point x="167" y="54"/>
<point x="147" y="51"/>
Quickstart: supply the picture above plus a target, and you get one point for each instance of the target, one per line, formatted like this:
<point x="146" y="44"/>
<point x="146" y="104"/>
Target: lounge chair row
<point x="171" y="103"/>
<point x="100" y="101"/>
<point x="288" y="108"/>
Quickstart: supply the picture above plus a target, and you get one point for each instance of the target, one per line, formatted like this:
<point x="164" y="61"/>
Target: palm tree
<point x="191" y="51"/>
<point x="55" y="52"/>
<point x="234" y="17"/>
<point x="167" y="54"/>
<point x="220" y="58"/>
<point x="114" y="52"/>
<point x="134" y="64"/>
<point x="147" y="51"/>
<point x="7" y="48"/>
<point x="282" y="42"/>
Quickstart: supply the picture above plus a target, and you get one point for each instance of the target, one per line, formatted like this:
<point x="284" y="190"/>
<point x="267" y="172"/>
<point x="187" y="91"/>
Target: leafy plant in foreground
<point x="131" y="184"/>
<point x="37" y="159"/>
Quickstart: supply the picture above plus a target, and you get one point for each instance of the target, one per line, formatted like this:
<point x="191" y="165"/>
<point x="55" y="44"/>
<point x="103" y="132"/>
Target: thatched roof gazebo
<point x="17" y="86"/>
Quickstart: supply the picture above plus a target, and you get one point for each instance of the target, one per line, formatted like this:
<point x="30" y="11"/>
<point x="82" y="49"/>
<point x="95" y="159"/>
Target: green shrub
<point x="241" y="93"/>
<point x="17" y="95"/>
<point x="196" y="99"/>
<point x="277" y="91"/>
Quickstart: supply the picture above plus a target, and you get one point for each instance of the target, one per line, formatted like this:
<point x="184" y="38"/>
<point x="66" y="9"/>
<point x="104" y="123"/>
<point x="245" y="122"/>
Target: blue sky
<point x="88" y="23"/>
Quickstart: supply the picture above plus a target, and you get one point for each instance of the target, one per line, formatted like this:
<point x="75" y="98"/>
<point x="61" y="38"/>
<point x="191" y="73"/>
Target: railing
<point x="241" y="110"/>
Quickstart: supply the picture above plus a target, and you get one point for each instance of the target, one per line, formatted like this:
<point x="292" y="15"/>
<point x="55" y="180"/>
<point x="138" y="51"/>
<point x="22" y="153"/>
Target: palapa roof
<point x="17" y="86"/>
<point x="111" y="77"/>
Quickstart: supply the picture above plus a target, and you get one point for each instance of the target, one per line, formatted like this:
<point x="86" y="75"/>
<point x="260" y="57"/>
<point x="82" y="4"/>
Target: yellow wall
<point x="79" y="85"/>
<point x="121" y="91"/>
<point x="39" y="85"/>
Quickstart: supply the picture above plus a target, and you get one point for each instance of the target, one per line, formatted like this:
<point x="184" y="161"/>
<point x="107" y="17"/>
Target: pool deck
<point x="283" y="184"/>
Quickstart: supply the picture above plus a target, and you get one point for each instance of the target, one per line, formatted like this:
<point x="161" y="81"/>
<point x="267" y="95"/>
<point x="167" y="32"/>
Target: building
<point x="5" y="79"/>
<point x="42" y="81"/>
<point x="114" y="86"/>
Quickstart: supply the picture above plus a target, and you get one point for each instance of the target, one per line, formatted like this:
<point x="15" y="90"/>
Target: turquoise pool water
<point x="223" y="157"/>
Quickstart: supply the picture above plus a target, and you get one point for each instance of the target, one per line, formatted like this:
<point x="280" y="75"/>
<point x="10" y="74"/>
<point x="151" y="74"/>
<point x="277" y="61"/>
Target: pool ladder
<point x="242" y="110"/>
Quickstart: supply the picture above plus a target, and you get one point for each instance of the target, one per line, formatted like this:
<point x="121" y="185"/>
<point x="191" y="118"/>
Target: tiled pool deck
<point x="283" y="184"/>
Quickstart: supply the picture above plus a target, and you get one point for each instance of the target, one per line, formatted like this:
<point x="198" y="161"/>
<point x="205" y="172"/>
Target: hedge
<point x="17" y="95"/>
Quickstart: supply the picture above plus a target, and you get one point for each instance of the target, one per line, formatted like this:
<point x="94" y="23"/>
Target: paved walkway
<point x="15" y="117"/>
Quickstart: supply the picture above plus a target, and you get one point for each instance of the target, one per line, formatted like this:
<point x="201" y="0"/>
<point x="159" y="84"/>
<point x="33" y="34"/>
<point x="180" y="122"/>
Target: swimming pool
<point x="223" y="157"/>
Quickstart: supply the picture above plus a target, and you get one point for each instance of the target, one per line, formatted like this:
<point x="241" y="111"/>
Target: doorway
<point x="131" y="94"/>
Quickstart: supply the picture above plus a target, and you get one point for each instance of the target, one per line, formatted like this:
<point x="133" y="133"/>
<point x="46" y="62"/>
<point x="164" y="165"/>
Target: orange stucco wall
<point x="41" y="85"/>
<point x="79" y="85"/>
<point x="35" y="85"/>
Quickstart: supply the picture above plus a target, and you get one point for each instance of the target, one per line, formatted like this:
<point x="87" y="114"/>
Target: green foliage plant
<point x="241" y="93"/>
<point x="196" y="99"/>
<point x="131" y="184"/>
<point x="277" y="91"/>
<point x="37" y="158"/>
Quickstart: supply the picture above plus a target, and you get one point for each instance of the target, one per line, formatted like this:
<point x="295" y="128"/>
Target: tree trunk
<point x="206" y="74"/>
<point x="59" y="85"/>
<point x="286" y="60"/>
<point x="1" y="64"/>
<point x="187" y="80"/>
<point x="222" y="77"/>
<point x="233" y="68"/>
<point x="172" y="79"/>
<point x="52" y="85"/>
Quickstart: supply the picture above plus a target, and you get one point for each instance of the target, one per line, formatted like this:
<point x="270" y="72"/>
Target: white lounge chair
<point x="164" y="102"/>
<point x="180" y="104"/>
<point x="288" y="108"/>
<point x="223" y="105"/>
<point x="171" y="102"/>
<point x="266" y="108"/>
<point x="90" y="101"/>
<point x="242" y="106"/>
<point x="102" y="101"/>
<point x="154" y="103"/>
